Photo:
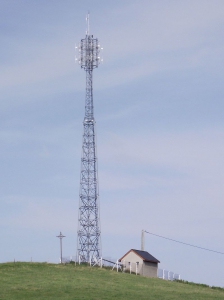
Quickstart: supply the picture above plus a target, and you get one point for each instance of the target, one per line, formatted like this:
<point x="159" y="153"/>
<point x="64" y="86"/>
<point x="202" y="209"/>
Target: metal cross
<point x="61" y="236"/>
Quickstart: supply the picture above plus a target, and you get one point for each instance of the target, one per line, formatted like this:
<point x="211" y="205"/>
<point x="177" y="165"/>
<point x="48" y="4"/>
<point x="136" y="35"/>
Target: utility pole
<point x="61" y="236"/>
<point x="143" y="240"/>
<point x="89" y="234"/>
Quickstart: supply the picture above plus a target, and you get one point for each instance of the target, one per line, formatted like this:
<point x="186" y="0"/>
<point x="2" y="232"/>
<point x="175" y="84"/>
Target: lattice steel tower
<point x="89" y="236"/>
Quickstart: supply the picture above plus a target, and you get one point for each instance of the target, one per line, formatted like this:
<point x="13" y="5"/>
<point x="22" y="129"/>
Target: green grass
<point x="49" y="281"/>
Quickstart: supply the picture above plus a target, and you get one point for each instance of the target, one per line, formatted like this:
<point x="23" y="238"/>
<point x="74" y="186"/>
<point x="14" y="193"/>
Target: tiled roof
<point x="146" y="256"/>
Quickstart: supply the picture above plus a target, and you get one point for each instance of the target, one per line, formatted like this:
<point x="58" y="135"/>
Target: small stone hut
<point x="141" y="262"/>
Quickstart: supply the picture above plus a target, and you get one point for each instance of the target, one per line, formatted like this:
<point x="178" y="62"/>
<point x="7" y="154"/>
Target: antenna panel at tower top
<point x="89" y="53"/>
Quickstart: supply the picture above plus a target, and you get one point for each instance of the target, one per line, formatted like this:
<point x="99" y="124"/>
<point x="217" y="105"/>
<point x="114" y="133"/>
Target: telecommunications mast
<point x="89" y="235"/>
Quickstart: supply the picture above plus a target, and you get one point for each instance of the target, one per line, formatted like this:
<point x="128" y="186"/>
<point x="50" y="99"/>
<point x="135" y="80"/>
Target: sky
<point x="158" y="101"/>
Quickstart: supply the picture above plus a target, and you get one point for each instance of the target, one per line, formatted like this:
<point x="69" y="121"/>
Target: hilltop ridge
<point x="23" y="280"/>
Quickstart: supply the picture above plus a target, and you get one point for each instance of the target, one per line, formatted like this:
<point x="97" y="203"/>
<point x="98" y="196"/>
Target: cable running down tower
<point x="88" y="237"/>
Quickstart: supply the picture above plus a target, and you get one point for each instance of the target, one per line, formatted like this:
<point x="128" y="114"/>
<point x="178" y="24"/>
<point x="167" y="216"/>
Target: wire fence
<point x="167" y="275"/>
<point x="128" y="267"/>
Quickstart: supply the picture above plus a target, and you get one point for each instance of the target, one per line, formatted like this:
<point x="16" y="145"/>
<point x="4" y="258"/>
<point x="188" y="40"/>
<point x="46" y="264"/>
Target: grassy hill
<point x="48" y="281"/>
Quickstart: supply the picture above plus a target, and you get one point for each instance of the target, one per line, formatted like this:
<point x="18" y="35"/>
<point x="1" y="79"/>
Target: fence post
<point x="163" y="273"/>
<point x="137" y="267"/>
<point x="129" y="266"/>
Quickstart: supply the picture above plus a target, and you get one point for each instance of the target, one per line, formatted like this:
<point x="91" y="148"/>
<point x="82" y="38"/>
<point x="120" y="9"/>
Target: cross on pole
<point x="61" y="236"/>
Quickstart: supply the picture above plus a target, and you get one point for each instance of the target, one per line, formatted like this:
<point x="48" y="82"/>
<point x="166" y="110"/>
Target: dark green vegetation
<point x="199" y="284"/>
<point x="49" y="281"/>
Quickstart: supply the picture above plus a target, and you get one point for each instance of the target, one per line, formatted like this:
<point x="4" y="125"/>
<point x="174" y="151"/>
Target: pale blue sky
<point x="159" y="110"/>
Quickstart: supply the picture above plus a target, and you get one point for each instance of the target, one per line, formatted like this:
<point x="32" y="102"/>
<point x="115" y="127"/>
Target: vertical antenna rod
<point x="89" y="235"/>
<point x="87" y="24"/>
